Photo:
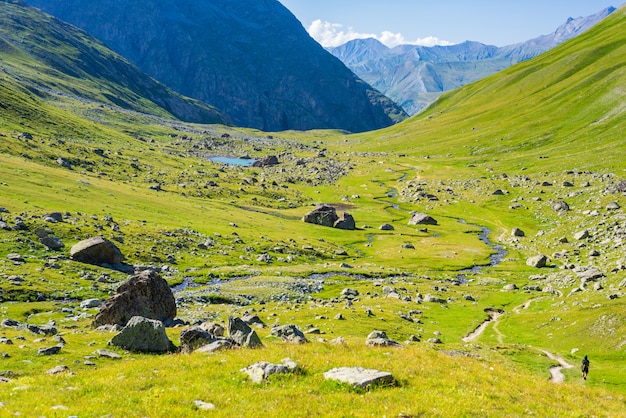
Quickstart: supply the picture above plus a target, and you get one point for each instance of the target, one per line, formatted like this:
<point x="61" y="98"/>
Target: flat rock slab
<point x="360" y="377"/>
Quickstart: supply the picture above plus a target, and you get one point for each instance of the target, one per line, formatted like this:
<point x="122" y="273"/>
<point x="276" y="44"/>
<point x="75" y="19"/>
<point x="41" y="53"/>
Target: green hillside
<point x="493" y="156"/>
<point x="57" y="59"/>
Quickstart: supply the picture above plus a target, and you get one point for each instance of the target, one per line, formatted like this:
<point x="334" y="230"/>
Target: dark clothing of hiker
<point x="584" y="367"/>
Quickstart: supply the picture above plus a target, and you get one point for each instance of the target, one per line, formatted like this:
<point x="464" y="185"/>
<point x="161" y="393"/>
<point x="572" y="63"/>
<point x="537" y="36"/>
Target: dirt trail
<point x="493" y="316"/>
<point x="555" y="371"/>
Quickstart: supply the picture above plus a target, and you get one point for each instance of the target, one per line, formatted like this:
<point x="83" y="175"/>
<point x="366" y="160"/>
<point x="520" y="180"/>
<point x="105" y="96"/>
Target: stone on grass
<point x="380" y="339"/>
<point x="386" y="227"/>
<point x="613" y="206"/>
<point x="192" y="338"/>
<point x="537" y="261"/>
<point x="359" y="377"/>
<point x="349" y="293"/>
<point x="289" y="333"/>
<point x="581" y="235"/>
<point x="90" y="303"/>
<point x="242" y="334"/>
<point x="97" y="251"/>
<point x="516" y="232"/>
<point x="422" y="219"/>
<point x="259" y="372"/>
<point x="52" y="242"/>
<point x="108" y="354"/>
<point x="217" y="345"/>
<point x="49" y="351"/>
<point x="58" y="370"/>
<point x="560" y="206"/>
<point x="143" y="335"/>
<point x="324" y="215"/>
<point x="147" y="295"/>
<point x="203" y="406"/>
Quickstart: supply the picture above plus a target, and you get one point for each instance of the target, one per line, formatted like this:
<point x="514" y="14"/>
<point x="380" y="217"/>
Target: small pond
<point x="245" y="162"/>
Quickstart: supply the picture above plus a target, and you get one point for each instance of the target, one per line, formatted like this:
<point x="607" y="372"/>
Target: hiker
<point x="584" y="366"/>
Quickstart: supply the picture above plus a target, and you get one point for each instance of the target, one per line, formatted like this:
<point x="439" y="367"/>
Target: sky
<point x="437" y="22"/>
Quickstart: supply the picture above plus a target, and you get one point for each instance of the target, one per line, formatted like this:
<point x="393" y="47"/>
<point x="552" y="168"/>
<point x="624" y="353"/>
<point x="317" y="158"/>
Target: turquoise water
<point x="233" y="161"/>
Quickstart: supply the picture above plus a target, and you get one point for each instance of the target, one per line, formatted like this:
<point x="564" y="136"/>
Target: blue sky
<point x="496" y="22"/>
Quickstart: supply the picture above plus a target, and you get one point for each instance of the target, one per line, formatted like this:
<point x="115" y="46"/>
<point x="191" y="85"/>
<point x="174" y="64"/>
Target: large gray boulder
<point x="146" y="294"/>
<point x="422" y="219"/>
<point x="98" y="251"/>
<point x="360" y="377"/>
<point x="242" y="334"/>
<point x="324" y="215"/>
<point x="289" y="333"/>
<point x="143" y="335"/>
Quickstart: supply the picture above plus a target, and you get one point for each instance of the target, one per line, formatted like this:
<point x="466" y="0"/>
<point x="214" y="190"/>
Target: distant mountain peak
<point x="414" y="76"/>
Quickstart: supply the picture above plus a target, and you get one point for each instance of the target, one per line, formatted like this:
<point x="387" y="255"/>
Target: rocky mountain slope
<point x="46" y="54"/>
<point x="414" y="76"/>
<point x="252" y="59"/>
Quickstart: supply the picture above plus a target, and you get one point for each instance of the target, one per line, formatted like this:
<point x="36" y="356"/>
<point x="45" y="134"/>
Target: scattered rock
<point x="560" y="206"/>
<point x="192" y="338"/>
<point x="516" y="232"/>
<point x="422" y="219"/>
<point x="613" y="206"/>
<point x="64" y="163"/>
<point x="289" y="333"/>
<point x="581" y="235"/>
<point x="59" y="370"/>
<point x="259" y="372"/>
<point x="203" y="406"/>
<point x="143" y="335"/>
<point x="52" y="242"/>
<point x="242" y="334"/>
<point x="147" y="295"/>
<point x="49" y="351"/>
<point x="379" y="339"/>
<point x="90" y="303"/>
<point x="98" y="251"/>
<point x="108" y="354"/>
<point x="324" y="215"/>
<point x="538" y="261"/>
<point x="349" y="293"/>
<point x="15" y="257"/>
<point x="360" y="377"/>
<point x="509" y="287"/>
<point x="433" y="299"/>
<point x="270" y="160"/>
<point x="386" y="227"/>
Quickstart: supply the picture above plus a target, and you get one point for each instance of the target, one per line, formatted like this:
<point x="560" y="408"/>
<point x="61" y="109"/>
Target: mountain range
<point x="252" y="59"/>
<point x="414" y="76"/>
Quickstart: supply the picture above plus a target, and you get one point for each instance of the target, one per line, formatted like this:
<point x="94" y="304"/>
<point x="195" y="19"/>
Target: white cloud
<point x="332" y="34"/>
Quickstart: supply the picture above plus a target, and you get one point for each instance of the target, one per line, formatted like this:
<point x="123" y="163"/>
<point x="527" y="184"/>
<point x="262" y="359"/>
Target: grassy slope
<point x="56" y="58"/>
<point x="453" y="379"/>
